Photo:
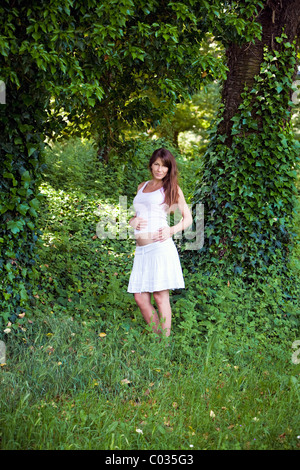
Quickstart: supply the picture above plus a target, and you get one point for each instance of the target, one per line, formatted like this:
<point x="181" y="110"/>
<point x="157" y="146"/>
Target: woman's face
<point x="158" y="169"/>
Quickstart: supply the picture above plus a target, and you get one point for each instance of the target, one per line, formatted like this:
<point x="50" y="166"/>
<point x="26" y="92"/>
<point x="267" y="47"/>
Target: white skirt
<point x="156" y="267"/>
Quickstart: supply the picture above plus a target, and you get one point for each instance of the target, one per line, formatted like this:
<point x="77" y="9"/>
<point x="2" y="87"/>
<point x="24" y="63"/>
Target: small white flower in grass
<point x="212" y="414"/>
<point x="139" y="431"/>
<point x="125" y="381"/>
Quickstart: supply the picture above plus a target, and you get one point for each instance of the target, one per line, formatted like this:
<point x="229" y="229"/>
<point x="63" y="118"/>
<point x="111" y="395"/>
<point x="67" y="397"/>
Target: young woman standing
<point x="156" y="268"/>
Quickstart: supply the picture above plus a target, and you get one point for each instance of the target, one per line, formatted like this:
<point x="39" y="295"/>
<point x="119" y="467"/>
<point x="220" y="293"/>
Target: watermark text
<point x="2" y="92"/>
<point x="113" y="223"/>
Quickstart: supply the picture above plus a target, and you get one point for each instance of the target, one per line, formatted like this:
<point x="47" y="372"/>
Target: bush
<point x="71" y="162"/>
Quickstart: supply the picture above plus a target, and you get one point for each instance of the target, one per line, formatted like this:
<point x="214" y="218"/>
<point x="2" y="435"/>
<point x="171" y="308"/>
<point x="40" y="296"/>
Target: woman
<point x="156" y="267"/>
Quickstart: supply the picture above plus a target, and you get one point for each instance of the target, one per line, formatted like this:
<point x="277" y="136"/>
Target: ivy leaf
<point x="34" y="203"/>
<point x="31" y="150"/>
<point x="22" y="208"/>
<point x="15" y="225"/>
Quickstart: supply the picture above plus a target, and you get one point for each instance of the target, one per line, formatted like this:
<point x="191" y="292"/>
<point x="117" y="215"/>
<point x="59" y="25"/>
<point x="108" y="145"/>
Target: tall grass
<point x="66" y="387"/>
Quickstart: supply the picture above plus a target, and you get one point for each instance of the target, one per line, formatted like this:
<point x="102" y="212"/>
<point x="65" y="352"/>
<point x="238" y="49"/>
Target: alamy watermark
<point x="295" y="97"/>
<point x="2" y="92"/>
<point x="113" y="223"/>
<point x="296" y="354"/>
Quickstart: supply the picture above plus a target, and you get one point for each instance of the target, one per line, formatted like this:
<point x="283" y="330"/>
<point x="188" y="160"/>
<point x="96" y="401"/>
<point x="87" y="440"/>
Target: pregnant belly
<point x="144" y="238"/>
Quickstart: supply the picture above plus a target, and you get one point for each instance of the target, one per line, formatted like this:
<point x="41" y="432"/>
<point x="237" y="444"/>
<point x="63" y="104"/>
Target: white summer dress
<point x="156" y="266"/>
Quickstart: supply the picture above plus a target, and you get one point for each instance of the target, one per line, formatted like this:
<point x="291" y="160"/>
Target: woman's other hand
<point x="162" y="234"/>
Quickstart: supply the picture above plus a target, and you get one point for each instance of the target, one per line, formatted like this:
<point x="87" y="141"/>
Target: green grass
<point x="66" y="387"/>
<point x="225" y="381"/>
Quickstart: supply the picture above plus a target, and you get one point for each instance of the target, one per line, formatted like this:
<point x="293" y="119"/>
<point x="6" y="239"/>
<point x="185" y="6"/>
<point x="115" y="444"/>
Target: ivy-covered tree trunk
<point x="22" y="126"/>
<point x="249" y="170"/>
<point x="244" y="62"/>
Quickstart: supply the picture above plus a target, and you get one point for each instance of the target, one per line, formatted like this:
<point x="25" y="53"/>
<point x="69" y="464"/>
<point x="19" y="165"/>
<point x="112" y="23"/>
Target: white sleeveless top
<point x="150" y="206"/>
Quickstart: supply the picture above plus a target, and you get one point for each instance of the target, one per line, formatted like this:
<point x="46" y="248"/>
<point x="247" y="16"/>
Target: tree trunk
<point x="244" y="61"/>
<point x="247" y="186"/>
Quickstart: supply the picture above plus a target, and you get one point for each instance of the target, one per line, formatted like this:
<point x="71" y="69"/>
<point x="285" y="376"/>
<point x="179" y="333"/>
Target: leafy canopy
<point x="133" y="57"/>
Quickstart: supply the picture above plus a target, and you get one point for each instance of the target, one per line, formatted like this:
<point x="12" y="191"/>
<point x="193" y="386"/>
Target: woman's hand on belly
<point x="138" y="223"/>
<point x="162" y="234"/>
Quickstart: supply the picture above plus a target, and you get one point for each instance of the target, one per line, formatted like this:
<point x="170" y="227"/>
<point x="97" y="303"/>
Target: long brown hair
<point x="170" y="181"/>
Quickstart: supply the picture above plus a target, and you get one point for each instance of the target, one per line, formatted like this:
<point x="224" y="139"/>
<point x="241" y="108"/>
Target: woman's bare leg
<point x="162" y="300"/>
<point x="149" y="313"/>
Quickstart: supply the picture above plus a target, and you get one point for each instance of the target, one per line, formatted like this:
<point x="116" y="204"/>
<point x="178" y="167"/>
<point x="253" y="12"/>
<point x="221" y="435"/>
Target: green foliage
<point x="192" y="117"/>
<point x="59" y="60"/>
<point x="147" y="56"/>
<point x="74" y="163"/>
<point x="20" y="173"/>
<point x="231" y="312"/>
<point x="248" y="187"/>
<point x="70" y="163"/>
<point x="87" y="276"/>
<point x="77" y="271"/>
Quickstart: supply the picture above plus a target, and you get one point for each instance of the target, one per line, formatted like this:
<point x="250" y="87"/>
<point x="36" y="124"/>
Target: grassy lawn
<point x="67" y="386"/>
